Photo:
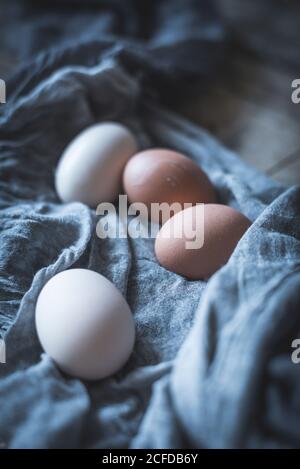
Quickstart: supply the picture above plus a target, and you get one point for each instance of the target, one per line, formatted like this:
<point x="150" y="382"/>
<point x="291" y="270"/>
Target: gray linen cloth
<point x="212" y="362"/>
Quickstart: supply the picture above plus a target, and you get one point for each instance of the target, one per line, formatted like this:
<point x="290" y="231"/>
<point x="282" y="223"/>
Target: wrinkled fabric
<point x="164" y="42"/>
<point x="212" y="363"/>
<point x="269" y="27"/>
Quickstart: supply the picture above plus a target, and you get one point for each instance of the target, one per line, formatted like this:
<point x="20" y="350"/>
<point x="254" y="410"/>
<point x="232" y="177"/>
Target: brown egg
<point x="198" y="241"/>
<point x="160" y="175"/>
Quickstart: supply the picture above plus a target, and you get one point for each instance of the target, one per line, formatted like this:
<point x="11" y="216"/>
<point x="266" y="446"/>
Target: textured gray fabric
<point x="211" y="365"/>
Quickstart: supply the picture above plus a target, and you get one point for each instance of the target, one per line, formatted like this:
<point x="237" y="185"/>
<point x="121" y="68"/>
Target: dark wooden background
<point x="248" y="107"/>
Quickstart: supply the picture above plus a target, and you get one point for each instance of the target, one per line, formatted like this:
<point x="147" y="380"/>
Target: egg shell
<point x="90" y="169"/>
<point x="223" y="227"/>
<point x="162" y="175"/>
<point x="84" y="324"/>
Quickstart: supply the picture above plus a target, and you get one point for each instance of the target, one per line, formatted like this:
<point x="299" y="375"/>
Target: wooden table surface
<point x="248" y="107"/>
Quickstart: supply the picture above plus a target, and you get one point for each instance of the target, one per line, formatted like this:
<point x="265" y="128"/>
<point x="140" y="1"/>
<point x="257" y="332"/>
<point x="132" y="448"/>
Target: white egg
<point x="90" y="169"/>
<point x="84" y="324"/>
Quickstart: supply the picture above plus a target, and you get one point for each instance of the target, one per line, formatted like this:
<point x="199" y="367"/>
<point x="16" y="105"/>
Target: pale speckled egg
<point x="162" y="175"/>
<point x="90" y="169"/>
<point x="84" y="324"/>
<point x="222" y="227"/>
